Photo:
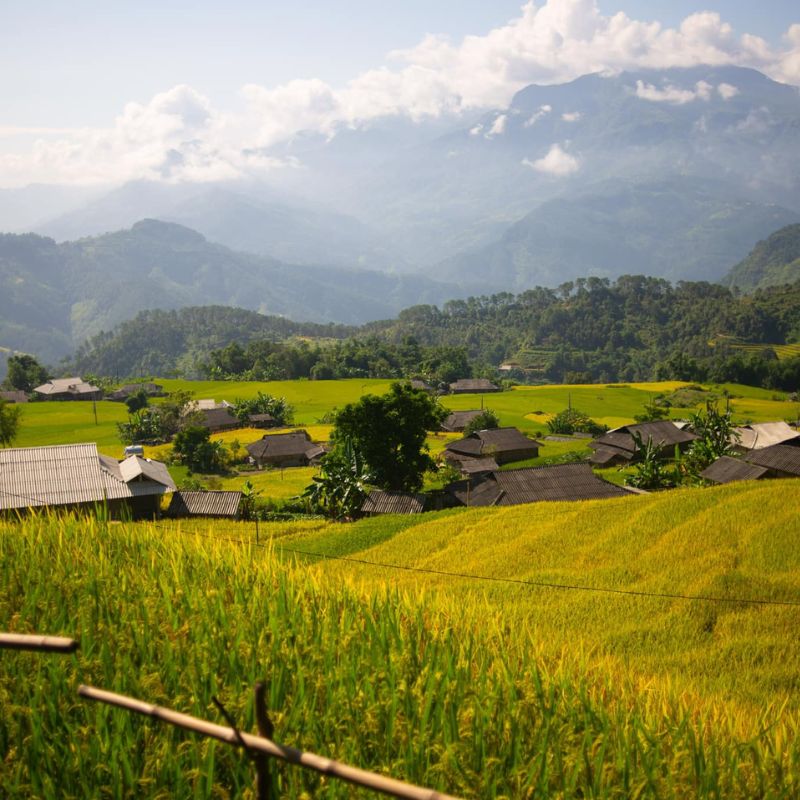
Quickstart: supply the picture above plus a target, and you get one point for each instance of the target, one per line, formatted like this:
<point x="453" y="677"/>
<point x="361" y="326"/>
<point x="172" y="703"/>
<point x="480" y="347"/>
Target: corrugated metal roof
<point x="726" y="470"/>
<point x="218" y="418"/>
<point x="378" y="502"/>
<point x="64" y="474"/>
<point x="135" y="466"/>
<point x="66" y="386"/>
<point x="205" y="504"/>
<point x="474" y="466"/>
<point x="765" y="434"/>
<point x="779" y="457"/>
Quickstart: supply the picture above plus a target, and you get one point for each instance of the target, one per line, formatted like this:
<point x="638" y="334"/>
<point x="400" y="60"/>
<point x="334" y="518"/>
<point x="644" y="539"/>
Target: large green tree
<point x="25" y="373"/>
<point x="389" y="432"/>
<point x="9" y="422"/>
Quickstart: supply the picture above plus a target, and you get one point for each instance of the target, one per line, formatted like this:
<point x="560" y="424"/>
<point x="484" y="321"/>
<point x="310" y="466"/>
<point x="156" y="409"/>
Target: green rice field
<point x="514" y="686"/>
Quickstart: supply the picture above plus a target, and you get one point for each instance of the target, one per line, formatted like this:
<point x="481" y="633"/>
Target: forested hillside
<point x="775" y="261"/>
<point x="635" y="328"/>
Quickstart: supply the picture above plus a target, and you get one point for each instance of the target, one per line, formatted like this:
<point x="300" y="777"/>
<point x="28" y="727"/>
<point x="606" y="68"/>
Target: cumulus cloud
<point x="727" y="91"/>
<point x="179" y="136"/>
<point x="498" y="127"/>
<point x="540" y="113"/>
<point x="557" y="162"/>
<point x="571" y="116"/>
<point x="674" y="95"/>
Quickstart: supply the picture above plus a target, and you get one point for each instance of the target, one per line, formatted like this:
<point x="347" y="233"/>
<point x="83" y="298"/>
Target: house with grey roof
<point x="294" y="449"/>
<point x="15" y="396"/>
<point x="504" y="445"/>
<point x="68" y="389"/>
<point x="217" y="419"/>
<point x="619" y="446"/>
<point x="130" y="389"/>
<point x="380" y="502"/>
<point x="759" y="435"/>
<point x="205" y="504"/>
<point x="533" y="485"/>
<point x="780" y="460"/>
<point x="727" y="470"/>
<point x="473" y="386"/>
<point x="458" y="420"/>
<point x="76" y="476"/>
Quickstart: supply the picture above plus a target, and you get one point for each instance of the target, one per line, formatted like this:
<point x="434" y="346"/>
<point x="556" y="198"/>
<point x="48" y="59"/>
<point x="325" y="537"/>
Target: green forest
<point x="591" y="330"/>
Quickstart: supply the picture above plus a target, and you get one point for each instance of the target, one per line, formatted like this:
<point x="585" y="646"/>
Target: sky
<point x="99" y="92"/>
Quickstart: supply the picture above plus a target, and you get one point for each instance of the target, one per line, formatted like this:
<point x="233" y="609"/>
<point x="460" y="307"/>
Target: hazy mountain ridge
<point x="53" y="296"/>
<point x="408" y="195"/>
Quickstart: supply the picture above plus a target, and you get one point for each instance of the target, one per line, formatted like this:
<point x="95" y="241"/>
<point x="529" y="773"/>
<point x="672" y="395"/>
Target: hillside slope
<point x="716" y="542"/>
<point x="775" y="261"/>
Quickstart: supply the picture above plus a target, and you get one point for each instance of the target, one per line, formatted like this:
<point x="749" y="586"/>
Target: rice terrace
<point x="643" y="646"/>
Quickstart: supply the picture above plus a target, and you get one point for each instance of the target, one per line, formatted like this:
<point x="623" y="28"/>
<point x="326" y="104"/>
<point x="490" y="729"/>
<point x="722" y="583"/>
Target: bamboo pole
<point x="325" y="766"/>
<point x="44" y="644"/>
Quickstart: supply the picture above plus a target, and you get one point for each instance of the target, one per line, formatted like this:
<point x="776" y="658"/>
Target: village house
<point x="76" y="476"/>
<point x="727" y="470"/>
<point x="380" y="502"/>
<point x="533" y="485"/>
<point x="420" y="385"/>
<point x="14" y="397"/>
<point x="503" y="445"/>
<point x="262" y="421"/>
<point x="473" y="386"/>
<point x="459" y="420"/>
<point x="293" y="449"/>
<point x="218" y="419"/>
<point x="205" y="504"/>
<point x="619" y="447"/>
<point x="759" y="435"/>
<point x="68" y="389"/>
<point x="780" y="460"/>
<point x="130" y="389"/>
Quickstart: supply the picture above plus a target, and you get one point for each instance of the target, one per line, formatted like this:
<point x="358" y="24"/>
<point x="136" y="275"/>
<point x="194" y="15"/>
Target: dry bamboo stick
<point x="326" y="766"/>
<point x="46" y="644"/>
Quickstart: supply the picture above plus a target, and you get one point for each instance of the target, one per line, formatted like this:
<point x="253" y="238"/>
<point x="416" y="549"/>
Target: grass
<point x="526" y="407"/>
<point x="479" y="689"/>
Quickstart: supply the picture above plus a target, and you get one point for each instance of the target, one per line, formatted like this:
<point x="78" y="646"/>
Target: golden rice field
<point x="482" y="688"/>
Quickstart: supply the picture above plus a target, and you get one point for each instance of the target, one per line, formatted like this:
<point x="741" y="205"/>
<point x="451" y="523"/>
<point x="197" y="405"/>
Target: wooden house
<point x="619" y="447"/>
<point x="293" y="449"/>
<point x="533" y="485"/>
<point x="68" y="389"/>
<point x="473" y="386"/>
<point x="504" y="445"/>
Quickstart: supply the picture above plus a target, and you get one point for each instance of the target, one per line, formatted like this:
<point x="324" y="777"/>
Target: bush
<point x="570" y="421"/>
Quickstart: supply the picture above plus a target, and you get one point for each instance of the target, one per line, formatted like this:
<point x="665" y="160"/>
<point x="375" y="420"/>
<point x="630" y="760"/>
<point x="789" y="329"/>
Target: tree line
<point x="588" y="330"/>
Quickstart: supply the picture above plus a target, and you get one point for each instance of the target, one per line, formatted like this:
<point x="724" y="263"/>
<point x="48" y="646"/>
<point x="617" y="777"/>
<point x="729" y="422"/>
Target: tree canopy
<point x="10" y="415"/>
<point x="25" y="373"/>
<point x="389" y="432"/>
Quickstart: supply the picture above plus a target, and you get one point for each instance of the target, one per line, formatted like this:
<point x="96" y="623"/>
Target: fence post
<point x="265" y="730"/>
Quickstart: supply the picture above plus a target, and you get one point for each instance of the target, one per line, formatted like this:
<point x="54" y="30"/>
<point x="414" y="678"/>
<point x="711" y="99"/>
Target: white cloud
<point x="674" y="95"/>
<point x="498" y="126"/>
<point x="727" y="91"/>
<point x="179" y="136"/>
<point x="540" y="113"/>
<point x="557" y="162"/>
<point x="476" y="130"/>
<point x="571" y="116"/>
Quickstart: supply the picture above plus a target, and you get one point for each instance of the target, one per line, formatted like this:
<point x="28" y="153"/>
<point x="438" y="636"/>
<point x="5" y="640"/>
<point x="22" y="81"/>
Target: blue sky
<point x="97" y="65"/>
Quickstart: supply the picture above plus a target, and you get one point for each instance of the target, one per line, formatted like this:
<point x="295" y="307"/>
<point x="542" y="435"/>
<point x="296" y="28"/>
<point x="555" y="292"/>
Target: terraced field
<point x="580" y="664"/>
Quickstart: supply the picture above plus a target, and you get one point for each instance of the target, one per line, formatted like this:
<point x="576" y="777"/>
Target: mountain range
<point x="54" y="296"/>
<point x="672" y="173"/>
